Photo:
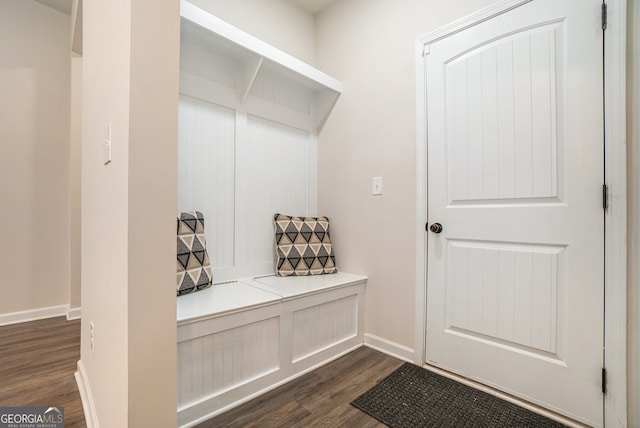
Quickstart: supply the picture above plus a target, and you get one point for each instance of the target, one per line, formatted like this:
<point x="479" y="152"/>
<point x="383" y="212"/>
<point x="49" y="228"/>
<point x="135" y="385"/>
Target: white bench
<point x="238" y="340"/>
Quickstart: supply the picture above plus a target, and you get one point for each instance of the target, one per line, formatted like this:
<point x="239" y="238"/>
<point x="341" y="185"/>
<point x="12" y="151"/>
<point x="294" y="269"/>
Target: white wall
<point x="633" y="182"/>
<point x="280" y="23"/>
<point x="105" y="99"/>
<point x="34" y="156"/>
<point x="369" y="45"/>
<point x="130" y="80"/>
<point x="153" y="163"/>
<point x="75" y="256"/>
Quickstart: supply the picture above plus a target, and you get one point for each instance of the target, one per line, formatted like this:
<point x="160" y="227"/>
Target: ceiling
<point x="314" y="6"/>
<point x="63" y="6"/>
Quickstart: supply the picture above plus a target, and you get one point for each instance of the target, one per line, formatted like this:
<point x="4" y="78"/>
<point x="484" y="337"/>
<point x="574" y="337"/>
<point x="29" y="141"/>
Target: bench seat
<point x="291" y="287"/>
<point x="222" y="299"/>
<point x="240" y="339"/>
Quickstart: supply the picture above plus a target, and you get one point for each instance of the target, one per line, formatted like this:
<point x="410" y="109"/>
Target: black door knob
<point x="436" y="228"/>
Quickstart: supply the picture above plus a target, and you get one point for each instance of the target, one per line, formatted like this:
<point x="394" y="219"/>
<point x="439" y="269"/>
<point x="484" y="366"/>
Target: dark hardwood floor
<point x="318" y="399"/>
<point x="38" y="360"/>
<point x="37" y="364"/>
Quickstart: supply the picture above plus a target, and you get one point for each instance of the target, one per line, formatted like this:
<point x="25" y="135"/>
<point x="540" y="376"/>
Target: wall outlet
<point x="91" y="335"/>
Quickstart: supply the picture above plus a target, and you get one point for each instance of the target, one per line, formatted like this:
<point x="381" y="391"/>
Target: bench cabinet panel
<point x="321" y="326"/>
<point x="228" y="358"/>
<point x="218" y="362"/>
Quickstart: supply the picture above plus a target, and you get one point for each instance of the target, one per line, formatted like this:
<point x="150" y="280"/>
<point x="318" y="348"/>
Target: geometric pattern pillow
<point x="194" y="268"/>
<point x="303" y="246"/>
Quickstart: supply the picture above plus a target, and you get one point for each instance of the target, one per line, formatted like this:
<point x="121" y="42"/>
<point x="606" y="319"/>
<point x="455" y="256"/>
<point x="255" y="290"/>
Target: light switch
<point x="106" y="146"/>
<point x="376" y="186"/>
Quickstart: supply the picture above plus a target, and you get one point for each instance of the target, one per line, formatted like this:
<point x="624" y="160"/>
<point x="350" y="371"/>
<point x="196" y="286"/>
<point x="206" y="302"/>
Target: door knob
<point x="436" y="228"/>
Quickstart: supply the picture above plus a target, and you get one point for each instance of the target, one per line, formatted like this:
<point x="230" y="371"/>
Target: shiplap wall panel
<point x="323" y="325"/>
<point x="240" y="169"/>
<point x="273" y="173"/>
<point x="292" y="98"/>
<point x="211" y="364"/>
<point x="501" y="118"/>
<point x="508" y="292"/>
<point x="206" y="67"/>
<point x="206" y="146"/>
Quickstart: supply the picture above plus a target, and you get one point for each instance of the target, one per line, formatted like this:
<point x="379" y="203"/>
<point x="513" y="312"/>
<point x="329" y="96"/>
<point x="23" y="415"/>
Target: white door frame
<point x="615" y="403"/>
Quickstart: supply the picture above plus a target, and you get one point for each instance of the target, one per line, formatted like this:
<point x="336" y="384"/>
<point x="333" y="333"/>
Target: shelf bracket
<point x="249" y="76"/>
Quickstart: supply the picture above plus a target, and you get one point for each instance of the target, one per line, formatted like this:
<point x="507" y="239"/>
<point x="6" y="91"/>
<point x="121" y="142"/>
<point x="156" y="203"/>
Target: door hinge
<point x="603" y="16"/>
<point x="425" y="50"/>
<point x="605" y="197"/>
<point x="604" y="380"/>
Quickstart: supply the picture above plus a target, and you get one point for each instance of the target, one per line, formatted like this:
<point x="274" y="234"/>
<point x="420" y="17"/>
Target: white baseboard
<point x="390" y="348"/>
<point x="73" y="313"/>
<point x="33" y="314"/>
<point x="85" y="396"/>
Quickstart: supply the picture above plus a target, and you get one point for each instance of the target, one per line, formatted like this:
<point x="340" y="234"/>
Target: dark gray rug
<point x="413" y="397"/>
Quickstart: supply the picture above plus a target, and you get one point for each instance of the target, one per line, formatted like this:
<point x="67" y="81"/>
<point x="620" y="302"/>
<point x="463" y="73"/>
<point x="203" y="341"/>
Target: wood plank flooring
<point x="318" y="399"/>
<point x="37" y="364"/>
<point x="38" y="360"/>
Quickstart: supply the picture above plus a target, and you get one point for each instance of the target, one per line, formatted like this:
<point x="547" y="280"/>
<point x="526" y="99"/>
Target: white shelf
<point x="215" y="50"/>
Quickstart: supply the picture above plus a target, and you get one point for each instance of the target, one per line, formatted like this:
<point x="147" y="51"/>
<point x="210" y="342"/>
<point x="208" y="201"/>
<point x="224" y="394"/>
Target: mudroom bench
<point x="239" y="339"/>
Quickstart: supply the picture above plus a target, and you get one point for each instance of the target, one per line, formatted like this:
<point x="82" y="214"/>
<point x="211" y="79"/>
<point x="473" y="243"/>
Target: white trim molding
<point x="73" y="313"/>
<point x="615" y="333"/>
<point x="33" y="314"/>
<point x="388" y="347"/>
<point x="420" y="330"/>
<point x="615" y="402"/>
<point x="85" y="396"/>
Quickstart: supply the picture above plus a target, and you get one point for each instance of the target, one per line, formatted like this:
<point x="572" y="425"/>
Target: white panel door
<point x="515" y="172"/>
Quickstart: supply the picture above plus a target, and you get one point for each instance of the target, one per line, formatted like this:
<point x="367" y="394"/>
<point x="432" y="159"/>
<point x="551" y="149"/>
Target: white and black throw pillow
<point x="194" y="269"/>
<point x="303" y="246"/>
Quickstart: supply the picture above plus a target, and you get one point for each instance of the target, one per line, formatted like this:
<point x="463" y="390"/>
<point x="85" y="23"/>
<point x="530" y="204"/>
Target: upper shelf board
<point x="240" y="44"/>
